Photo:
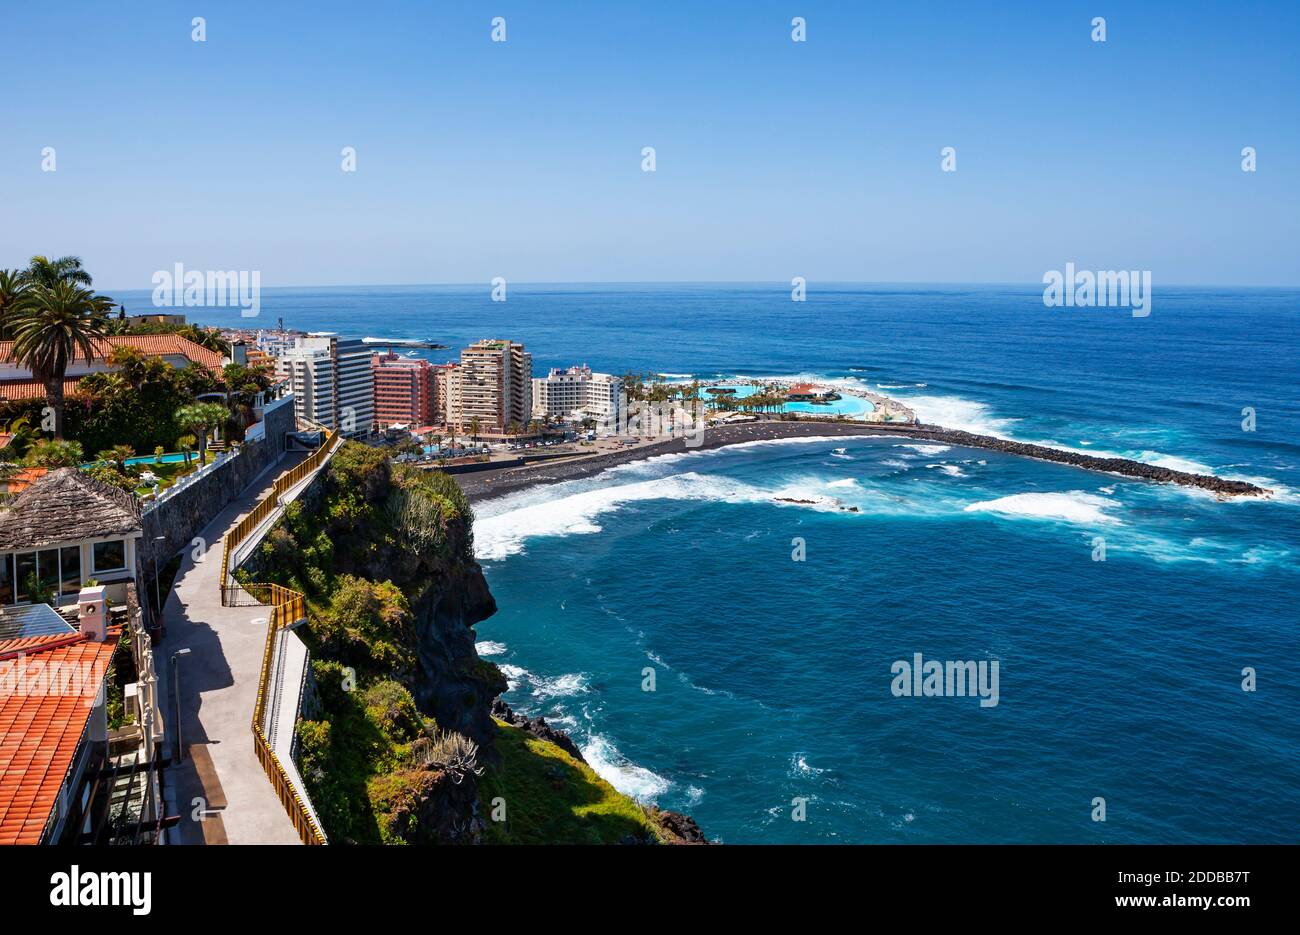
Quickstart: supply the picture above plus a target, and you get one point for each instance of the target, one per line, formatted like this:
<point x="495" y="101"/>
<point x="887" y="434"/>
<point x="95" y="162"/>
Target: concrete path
<point x="218" y="691"/>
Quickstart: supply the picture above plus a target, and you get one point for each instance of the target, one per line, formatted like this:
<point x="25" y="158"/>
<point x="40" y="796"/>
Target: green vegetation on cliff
<point x="551" y="798"/>
<point x="398" y="745"/>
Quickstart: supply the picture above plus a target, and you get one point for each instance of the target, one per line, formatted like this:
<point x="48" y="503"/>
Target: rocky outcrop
<point x="428" y="806"/>
<point x="452" y="683"/>
<point x="537" y="727"/>
<point x="1124" y="466"/>
<point x="679" y="828"/>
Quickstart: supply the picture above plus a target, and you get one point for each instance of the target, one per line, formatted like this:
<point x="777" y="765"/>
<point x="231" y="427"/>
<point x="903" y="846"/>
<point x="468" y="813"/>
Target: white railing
<point x="190" y="480"/>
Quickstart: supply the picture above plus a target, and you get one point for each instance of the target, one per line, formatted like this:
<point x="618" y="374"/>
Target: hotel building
<point x="493" y="384"/>
<point x="577" y="391"/>
<point x="405" y="392"/>
<point x="333" y="382"/>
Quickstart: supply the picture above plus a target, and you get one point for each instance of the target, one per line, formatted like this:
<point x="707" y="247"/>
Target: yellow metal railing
<point x="287" y="606"/>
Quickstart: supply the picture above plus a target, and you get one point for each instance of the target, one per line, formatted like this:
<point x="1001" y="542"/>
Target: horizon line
<point x="712" y="282"/>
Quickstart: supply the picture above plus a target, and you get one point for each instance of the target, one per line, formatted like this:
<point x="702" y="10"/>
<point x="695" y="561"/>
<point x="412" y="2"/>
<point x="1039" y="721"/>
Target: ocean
<point x="773" y="715"/>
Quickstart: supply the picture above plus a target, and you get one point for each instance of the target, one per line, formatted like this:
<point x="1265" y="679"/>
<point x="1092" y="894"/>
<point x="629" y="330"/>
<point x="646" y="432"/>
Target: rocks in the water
<point x="682" y="827"/>
<point x="1125" y="466"/>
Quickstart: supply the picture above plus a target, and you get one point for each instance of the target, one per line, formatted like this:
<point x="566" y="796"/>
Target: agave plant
<point x="451" y="753"/>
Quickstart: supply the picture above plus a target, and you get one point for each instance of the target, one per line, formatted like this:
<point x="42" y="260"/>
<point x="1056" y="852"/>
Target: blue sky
<point x="774" y="159"/>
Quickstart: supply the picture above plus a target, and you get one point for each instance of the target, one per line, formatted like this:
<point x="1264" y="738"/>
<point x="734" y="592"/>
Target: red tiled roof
<point x="153" y="344"/>
<point x="22" y="479"/>
<point x="40" y="729"/>
<point x="803" y="389"/>
<point x="33" y="389"/>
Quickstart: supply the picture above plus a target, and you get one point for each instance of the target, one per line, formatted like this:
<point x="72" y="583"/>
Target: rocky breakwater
<point x="1125" y="466"/>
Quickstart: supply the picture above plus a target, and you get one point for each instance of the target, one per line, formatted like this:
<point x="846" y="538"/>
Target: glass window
<point x="71" y="559"/>
<point x="6" y="579"/>
<point x="26" y="568"/>
<point x="47" y="568"/>
<point x="110" y="556"/>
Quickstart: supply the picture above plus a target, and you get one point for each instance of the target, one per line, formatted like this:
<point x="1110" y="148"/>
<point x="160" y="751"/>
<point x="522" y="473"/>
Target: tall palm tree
<point x="474" y="425"/>
<point x="51" y="327"/>
<point x="42" y="271"/>
<point x="200" y="418"/>
<point x="15" y="291"/>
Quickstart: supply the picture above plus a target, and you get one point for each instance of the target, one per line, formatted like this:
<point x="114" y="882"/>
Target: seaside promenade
<point x="220" y="790"/>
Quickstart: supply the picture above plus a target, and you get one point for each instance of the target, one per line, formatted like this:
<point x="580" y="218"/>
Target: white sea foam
<point x="500" y="535"/>
<point x="628" y="778"/>
<point x="489" y="648"/>
<point x="515" y="675"/>
<point x="950" y="469"/>
<point x="799" y="766"/>
<point x="562" y="686"/>
<point x="1074" y="506"/>
<point x="844" y="482"/>
<point x="927" y="449"/>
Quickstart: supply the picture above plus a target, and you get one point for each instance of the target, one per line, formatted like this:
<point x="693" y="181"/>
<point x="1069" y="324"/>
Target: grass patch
<point x="551" y="798"/>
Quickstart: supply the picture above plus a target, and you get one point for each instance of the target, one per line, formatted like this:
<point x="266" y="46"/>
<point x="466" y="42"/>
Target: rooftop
<point x="65" y="506"/>
<point x="40" y="730"/>
<point x="155" y="344"/>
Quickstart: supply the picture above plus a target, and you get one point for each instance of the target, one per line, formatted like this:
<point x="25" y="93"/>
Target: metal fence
<point x="287" y="607"/>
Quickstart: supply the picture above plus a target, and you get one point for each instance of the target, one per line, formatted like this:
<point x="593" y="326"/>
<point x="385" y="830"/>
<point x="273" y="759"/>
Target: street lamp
<point x="179" y="753"/>
<point x="157" y="601"/>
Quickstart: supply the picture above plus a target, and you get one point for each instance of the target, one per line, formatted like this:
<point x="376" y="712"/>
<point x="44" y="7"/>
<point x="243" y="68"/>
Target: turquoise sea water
<point x="1119" y="679"/>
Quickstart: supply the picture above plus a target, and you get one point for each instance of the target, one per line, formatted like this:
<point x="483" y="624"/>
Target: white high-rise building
<point x="333" y="382"/>
<point x="577" y="391"/>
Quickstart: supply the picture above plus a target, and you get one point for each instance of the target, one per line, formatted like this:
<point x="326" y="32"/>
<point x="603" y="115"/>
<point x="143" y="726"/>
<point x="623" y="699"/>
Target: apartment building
<point x="493" y="384"/>
<point x="577" y="391"/>
<point x="333" y="382"/>
<point x="405" y="391"/>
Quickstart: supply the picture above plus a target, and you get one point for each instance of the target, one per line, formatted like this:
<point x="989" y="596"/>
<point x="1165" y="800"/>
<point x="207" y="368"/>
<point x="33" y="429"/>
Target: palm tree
<point x="24" y="436"/>
<point x="117" y="455"/>
<point x="42" y="271"/>
<point x="54" y="453"/>
<point x="15" y="291"/>
<point x="186" y="445"/>
<point x="200" y="418"/>
<point x="513" y="429"/>
<point x="474" y="425"/>
<point x="51" y="327"/>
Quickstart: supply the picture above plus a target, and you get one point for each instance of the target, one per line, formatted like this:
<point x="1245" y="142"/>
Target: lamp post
<point x="179" y="753"/>
<point x="157" y="601"/>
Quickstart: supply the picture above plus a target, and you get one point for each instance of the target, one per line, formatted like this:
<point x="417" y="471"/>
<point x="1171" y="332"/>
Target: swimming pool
<point x="852" y="406"/>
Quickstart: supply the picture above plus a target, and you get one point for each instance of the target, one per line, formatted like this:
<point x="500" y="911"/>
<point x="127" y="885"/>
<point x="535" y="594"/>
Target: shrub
<point x="451" y="753"/>
<point x="392" y="708"/>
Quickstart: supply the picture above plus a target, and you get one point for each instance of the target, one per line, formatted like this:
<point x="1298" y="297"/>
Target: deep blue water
<point x="1120" y="679"/>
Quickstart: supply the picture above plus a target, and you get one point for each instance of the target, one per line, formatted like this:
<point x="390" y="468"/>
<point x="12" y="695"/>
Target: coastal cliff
<point x="399" y="743"/>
